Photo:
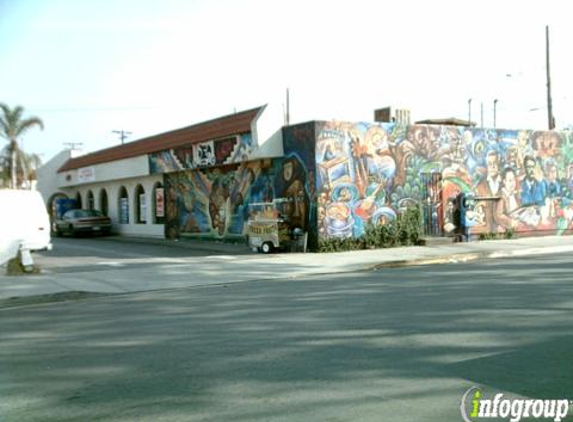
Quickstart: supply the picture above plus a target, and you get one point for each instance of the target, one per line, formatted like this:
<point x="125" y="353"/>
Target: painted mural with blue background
<point x="368" y="173"/>
<point x="214" y="201"/>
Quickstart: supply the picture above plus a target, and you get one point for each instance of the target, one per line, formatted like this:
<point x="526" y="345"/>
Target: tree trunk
<point x="13" y="147"/>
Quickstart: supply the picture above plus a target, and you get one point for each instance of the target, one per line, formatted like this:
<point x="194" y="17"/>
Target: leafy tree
<point x="12" y="126"/>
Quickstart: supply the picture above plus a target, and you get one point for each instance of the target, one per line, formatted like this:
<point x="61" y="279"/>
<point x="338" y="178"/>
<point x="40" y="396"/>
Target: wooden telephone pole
<point x="550" y="117"/>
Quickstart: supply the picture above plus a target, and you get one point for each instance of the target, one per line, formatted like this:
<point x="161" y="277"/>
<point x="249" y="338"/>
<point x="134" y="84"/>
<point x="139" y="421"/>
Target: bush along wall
<point x="405" y="230"/>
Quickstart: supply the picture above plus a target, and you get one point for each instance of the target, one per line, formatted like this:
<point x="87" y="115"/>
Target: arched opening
<point x="123" y="206"/>
<point x="57" y="205"/>
<point x="78" y="200"/>
<point x="103" y="206"/>
<point x="158" y="199"/>
<point x="90" y="200"/>
<point x="140" y="205"/>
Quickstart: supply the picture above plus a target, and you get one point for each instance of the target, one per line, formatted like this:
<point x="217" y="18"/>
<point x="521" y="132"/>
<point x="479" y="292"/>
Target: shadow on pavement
<point x="400" y="344"/>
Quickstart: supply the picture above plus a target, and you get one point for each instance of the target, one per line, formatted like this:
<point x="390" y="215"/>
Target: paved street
<point x="395" y="344"/>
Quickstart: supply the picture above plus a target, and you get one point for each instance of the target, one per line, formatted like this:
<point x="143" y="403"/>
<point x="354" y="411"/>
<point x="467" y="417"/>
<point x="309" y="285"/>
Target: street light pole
<point x="495" y="113"/>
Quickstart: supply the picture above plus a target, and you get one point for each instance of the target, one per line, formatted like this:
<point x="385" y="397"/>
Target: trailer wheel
<point x="266" y="247"/>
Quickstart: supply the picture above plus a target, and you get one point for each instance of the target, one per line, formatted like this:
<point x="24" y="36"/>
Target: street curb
<point x="203" y="245"/>
<point x="446" y="259"/>
<point x="472" y="256"/>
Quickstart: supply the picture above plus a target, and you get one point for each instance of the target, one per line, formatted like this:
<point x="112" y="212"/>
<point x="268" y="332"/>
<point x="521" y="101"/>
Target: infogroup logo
<point x="476" y="407"/>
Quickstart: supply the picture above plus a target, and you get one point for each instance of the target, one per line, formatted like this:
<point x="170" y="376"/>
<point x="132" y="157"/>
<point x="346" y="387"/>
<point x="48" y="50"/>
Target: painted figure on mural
<point x="546" y="143"/>
<point x="171" y="211"/>
<point x="187" y="209"/>
<point x="509" y="201"/>
<point x="218" y="206"/>
<point x="290" y="185"/>
<point x="328" y="153"/>
<point x="491" y="183"/>
<point x="268" y="193"/>
<point x="524" y="148"/>
<point x="489" y="187"/>
<point x="532" y="190"/>
<point x="552" y="184"/>
<point x="569" y="181"/>
<point x="553" y="187"/>
<point x="360" y="155"/>
<point x="239" y="188"/>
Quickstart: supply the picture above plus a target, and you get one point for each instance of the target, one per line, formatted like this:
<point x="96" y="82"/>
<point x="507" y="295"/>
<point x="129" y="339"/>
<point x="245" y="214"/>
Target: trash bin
<point x="299" y="240"/>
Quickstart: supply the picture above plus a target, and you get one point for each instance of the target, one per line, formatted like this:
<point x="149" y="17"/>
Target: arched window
<point x="140" y="205"/>
<point x="103" y="202"/>
<point x="78" y="200"/>
<point x="123" y="206"/>
<point x="90" y="200"/>
<point x="158" y="199"/>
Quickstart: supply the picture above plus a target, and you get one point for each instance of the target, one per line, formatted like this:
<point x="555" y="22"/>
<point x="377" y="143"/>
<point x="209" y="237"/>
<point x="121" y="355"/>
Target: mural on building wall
<point x="368" y="173"/>
<point x="215" y="202"/>
<point x="229" y="150"/>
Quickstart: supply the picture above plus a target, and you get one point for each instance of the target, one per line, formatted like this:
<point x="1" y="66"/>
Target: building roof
<point x="449" y="121"/>
<point x="232" y="124"/>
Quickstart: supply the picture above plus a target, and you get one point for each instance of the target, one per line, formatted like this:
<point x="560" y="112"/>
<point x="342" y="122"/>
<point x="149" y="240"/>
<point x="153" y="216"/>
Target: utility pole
<point x="495" y="113"/>
<point x="550" y="117"/>
<point x="123" y="134"/>
<point x="470" y="112"/>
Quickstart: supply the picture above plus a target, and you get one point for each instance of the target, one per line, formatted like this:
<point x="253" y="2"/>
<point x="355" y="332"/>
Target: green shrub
<point x="405" y="230"/>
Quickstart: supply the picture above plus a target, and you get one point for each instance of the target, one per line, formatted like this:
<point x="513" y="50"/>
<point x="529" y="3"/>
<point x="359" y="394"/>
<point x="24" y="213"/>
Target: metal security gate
<point x="432" y="208"/>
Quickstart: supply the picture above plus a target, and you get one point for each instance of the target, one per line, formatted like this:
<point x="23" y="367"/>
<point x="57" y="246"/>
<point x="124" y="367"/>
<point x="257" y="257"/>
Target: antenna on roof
<point x="122" y="134"/>
<point x="287" y="108"/>
<point x="72" y="145"/>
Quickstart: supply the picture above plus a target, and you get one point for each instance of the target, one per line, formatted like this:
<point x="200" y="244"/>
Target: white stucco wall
<point x="267" y="133"/>
<point x="115" y="170"/>
<point x="48" y="180"/>
<point x="110" y="177"/>
<point x="112" y="188"/>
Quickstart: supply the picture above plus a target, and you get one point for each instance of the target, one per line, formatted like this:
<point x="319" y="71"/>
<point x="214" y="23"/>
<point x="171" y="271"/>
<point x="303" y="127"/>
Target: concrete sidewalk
<point x="233" y="263"/>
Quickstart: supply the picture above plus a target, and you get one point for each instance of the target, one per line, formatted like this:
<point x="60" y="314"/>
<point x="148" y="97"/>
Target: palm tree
<point x="13" y="126"/>
<point x="26" y="167"/>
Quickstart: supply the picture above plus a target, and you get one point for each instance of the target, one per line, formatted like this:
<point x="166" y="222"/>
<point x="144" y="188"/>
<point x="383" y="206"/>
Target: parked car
<point x="74" y="222"/>
<point x="24" y="223"/>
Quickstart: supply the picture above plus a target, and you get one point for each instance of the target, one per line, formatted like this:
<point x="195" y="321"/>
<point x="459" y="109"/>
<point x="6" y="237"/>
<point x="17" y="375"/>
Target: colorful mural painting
<point x="218" y="152"/>
<point x="214" y="202"/>
<point x="336" y="178"/>
<point x="515" y="180"/>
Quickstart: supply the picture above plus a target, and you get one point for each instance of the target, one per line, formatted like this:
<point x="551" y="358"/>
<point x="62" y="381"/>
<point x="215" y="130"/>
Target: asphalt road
<point x="400" y="344"/>
<point x="97" y="253"/>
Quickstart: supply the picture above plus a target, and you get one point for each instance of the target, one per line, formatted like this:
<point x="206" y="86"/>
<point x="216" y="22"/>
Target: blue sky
<point x="90" y="67"/>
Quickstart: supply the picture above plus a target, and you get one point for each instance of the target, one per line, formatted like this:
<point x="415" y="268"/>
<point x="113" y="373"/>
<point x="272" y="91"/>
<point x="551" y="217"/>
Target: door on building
<point x="432" y="204"/>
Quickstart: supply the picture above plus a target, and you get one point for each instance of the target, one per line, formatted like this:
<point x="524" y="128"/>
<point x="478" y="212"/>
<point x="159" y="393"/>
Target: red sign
<point x="159" y="203"/>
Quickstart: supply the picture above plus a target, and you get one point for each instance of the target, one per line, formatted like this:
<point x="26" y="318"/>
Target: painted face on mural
<point x="529" y="164"/>
<point x="546" y="143"/>
<point x="509" y="181"/>
<point x="522" y="139"/>
<point x="492" y="162"/>
<point x="552" y="173"/>
<point x="288" y="171"/>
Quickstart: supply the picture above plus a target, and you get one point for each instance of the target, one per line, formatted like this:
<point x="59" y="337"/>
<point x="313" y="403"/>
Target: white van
<point x="24" y="223"/>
